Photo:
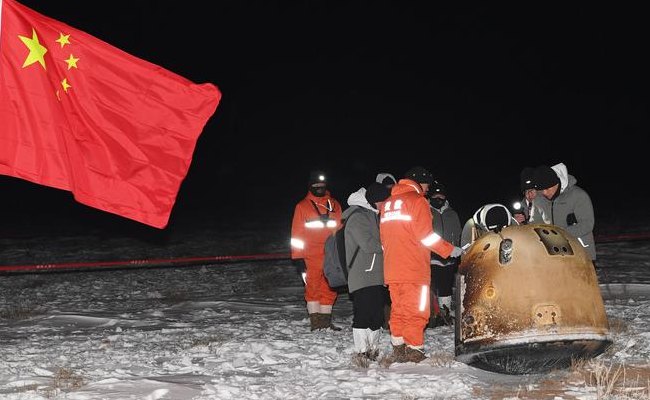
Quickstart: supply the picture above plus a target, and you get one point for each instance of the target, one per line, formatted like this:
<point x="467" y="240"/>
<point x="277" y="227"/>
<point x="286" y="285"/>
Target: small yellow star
<point x="72" y="62"/>
<point x="63" y="39"/>
<point x="65" y="85"/>
<point x="36" y="50"/>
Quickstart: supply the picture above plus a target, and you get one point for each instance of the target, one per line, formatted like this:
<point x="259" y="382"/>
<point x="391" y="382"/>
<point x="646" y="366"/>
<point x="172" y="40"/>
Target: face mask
<point x="437" y="202"/>
<point x="318" y="191"/>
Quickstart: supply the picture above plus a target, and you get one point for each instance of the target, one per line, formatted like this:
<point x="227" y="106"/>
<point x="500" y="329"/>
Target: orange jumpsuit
<point x="309" y="230"/>
<point x="406" y="232"/>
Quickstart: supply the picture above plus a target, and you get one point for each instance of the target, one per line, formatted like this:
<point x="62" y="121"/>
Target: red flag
<point x="81" y="115"/>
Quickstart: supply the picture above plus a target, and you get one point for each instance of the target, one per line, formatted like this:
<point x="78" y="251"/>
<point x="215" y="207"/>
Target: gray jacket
<point x="362" y="232"/>
<point x="572" y="202"/>
<point x="446" y="223"/>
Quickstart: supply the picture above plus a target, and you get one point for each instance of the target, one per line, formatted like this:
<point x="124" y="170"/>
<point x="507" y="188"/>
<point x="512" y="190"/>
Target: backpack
<point x="335" y="266"/>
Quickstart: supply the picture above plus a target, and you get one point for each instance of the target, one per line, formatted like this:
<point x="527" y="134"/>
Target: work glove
<point x="456" y="252"/>
<point x="301" y="268"/>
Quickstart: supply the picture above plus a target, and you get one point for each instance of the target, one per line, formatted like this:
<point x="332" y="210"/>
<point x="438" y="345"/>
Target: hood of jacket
<point x="358" y="198"/>
<point x="566" y="180"/>
<point x="406" y="185"/>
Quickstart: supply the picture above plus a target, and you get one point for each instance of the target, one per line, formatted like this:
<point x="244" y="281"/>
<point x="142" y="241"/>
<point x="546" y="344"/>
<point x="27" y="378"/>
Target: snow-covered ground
<point x="240" y="331"/>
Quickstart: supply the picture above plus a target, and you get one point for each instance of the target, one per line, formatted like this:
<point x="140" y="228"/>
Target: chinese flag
<point x="81" y="115"/>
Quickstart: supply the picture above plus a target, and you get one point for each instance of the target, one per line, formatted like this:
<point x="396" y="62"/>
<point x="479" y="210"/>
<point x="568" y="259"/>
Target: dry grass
<point x="386" y="361"/>
<point x="17" y="312"/>
<point x="212" y="343"/>
<point x="66" y="379"/>
<point x="208" y="341"/>
<point x="63" y="380"/>
<point x="617" y="326"/>
<point x="360" y="360"/>
<point x="605" y="381"/>
<point x="444" y="360"/>
<point x="615" y="381"/>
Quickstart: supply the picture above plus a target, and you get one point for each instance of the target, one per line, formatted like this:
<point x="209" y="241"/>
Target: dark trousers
<point x="443" y="278"/>
<point x="368" y="307"/>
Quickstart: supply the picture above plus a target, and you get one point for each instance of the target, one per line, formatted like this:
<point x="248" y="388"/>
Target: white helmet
<point x="492" y="217"/>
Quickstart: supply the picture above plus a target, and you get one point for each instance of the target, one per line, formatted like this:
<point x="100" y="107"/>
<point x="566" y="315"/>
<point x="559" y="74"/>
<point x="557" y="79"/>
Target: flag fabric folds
<point x="81" y="115"/>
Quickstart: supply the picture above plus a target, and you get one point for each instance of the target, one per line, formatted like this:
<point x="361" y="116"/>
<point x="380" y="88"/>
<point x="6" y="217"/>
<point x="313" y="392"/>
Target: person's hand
<point x="456" y="252"/>
<point x="301" y="267"/>
<point x="520" y="218"/>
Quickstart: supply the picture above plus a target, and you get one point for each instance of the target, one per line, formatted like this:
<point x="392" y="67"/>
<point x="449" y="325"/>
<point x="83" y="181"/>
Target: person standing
<point x="365" y="262"/>
<point x="388" y="180"/>
<point x="446" y="223"/>
<point x="315" y="217"/>
<point x="569" y="206"/>
<point x="407" y="236"/>
<point x="422" y="176"/>
<point x="527" y="186"/>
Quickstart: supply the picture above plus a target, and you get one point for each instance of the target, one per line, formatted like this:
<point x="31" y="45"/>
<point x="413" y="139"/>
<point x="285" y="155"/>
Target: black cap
<point x="420" y="175"/>
<point x="376" y="193"/>
<point x="526" y="179"/>
<point x="317" y="177"/>
<point x="544" y="177"/>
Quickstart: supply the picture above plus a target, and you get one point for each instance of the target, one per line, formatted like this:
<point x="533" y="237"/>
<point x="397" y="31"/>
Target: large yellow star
<point x="36" y="50"/>
<point x="72" y="62"/>
<point x="65" y="85"/>
<point x="63" y="39"/>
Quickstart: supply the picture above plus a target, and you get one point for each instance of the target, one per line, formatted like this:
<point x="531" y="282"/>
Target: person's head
<point x="530" y="194"/>
<point x="437" y="194"/>
<point x="492" y="217"/>
<point x="527" y="183"/>
<point x="317" y="183"/>
<point x="421" y="176"/>
<point x="376" y="193"/>
<point x="547" y="181"/>
<point x="386" y="179"/>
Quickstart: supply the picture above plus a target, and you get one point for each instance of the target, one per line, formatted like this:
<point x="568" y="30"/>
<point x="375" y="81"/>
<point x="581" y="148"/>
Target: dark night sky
<point x="472" y="93"/>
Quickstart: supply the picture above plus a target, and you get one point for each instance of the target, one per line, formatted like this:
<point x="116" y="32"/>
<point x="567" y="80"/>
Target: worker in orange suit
<point x="315" y="217"/>
<point x="407" y="236"/>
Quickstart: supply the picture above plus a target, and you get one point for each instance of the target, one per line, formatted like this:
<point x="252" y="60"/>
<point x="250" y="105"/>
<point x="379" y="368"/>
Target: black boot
<point x="397" y="356"/>
<point x="326" y="321"/>
<point x="447" y="318"/>
<point x="413" y="355"/>
<point x="315" y="321"/>
<point x="443" y="319"/>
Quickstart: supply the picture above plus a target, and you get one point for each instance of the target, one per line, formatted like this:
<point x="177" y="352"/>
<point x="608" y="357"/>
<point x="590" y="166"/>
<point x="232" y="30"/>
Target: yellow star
<point x="65" y="85"/>
<point x="72" y="62"/>
<point x="36" y="50"/>
<point x="63" y="39"/>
